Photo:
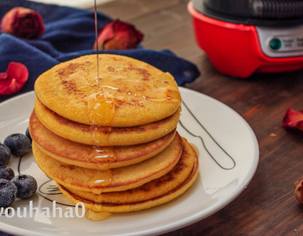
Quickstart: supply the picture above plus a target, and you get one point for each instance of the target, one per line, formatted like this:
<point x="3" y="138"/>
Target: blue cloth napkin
<point x="70" y="33"/>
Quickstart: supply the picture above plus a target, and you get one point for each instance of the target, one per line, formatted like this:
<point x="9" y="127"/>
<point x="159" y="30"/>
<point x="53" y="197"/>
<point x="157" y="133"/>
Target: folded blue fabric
<point x="70" y="33"/>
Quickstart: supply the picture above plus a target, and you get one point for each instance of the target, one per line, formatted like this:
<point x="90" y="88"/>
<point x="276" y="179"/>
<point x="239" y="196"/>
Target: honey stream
<point x="102" y="103"/>
<point x="99" y="178"/>
<point x="96" y="36"/>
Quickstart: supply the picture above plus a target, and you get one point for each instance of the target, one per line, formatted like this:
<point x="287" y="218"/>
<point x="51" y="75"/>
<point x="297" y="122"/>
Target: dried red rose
<point x="293" y="119"/>
<point x="13" y="79"/>
<point x="118" y="35"/>
<point x="23" y="23"/>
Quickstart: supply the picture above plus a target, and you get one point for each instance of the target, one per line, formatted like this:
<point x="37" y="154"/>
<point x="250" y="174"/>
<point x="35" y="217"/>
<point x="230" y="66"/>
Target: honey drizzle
<point x="102" y="155"/>
<point x="96" y="36"/>
<point x="96" y="216"/>
<point x="99" y="178"/>
<point x="104" y="104"/>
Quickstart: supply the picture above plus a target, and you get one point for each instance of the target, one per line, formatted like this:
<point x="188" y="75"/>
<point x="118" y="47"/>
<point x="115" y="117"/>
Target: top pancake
<point x="127" y="93"/>
<point x="104" y="135"/>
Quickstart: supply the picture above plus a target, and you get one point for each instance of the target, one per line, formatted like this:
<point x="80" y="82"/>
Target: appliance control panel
<point x="282" y="42"/>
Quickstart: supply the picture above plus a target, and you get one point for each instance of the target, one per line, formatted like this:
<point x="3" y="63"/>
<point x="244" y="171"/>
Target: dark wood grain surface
<point x="268" y="205"/>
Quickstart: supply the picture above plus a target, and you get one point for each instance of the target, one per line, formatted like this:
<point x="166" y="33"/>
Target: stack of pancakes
<point x="108" y="136"/>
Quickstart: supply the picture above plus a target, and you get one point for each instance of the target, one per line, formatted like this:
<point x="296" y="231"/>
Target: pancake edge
<point x="116" y="208"/>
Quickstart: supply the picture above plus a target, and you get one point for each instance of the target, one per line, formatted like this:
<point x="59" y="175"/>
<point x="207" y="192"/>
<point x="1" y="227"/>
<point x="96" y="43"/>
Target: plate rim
<point x="220" y="205"/>
<point x="198" y="216"/>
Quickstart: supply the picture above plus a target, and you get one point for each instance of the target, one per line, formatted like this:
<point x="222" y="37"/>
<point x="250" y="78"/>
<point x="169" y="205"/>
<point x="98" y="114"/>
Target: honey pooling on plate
<point x="96" y="216"/>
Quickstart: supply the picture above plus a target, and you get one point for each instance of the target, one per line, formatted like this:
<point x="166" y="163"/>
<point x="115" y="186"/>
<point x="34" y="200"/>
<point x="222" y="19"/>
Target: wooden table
<point x="268" y="205"/>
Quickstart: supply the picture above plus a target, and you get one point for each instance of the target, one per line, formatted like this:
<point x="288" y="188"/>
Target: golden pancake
<point x="130" y="199"/>
<point x="94" y="157"/>
<point x="104" y="136"/>
<point x="153" y="189"/>
<point x="111" y="180"/>
<point x="124" y="93"/>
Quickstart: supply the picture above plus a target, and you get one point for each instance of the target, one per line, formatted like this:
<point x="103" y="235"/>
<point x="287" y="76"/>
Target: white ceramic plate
<point x="228" y="155"/>
<point x="74" y="3"/>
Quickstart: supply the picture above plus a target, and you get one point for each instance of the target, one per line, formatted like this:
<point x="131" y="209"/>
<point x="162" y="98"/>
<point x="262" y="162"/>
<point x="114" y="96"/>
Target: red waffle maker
<point x="241" y="37"/>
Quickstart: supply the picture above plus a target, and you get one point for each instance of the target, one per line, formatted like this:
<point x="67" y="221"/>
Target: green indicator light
<point x="275" y="44"/>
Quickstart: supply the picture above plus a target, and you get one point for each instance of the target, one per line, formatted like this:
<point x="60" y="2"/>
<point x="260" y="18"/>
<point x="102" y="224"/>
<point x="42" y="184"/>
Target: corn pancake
<point x="147" y="202"/>
<point x="111" y="180"/>
<point x="104" y="136"/>
<point x="94" y="157"/>
<point x="127" y="93"/>
<point x="153" y="189"/>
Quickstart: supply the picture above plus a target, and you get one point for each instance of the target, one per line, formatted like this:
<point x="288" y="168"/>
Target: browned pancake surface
<point x="130" y="200"/>
<point x="127" y="92"/>
<point x="153" y="189"/>
<point x="94" y="157"/>
<point x="117" y="179"/>
<point x="104" y="136"/>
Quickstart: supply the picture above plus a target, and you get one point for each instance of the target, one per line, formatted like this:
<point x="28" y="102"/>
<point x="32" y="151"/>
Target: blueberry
<point x="19" y="144"/>
<point x="5" y="154"/>
<point x="27" y="133"/>
<point x="6" y="173"/>
<point x="26" y="185"/>
<point x="8" y="192"/>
